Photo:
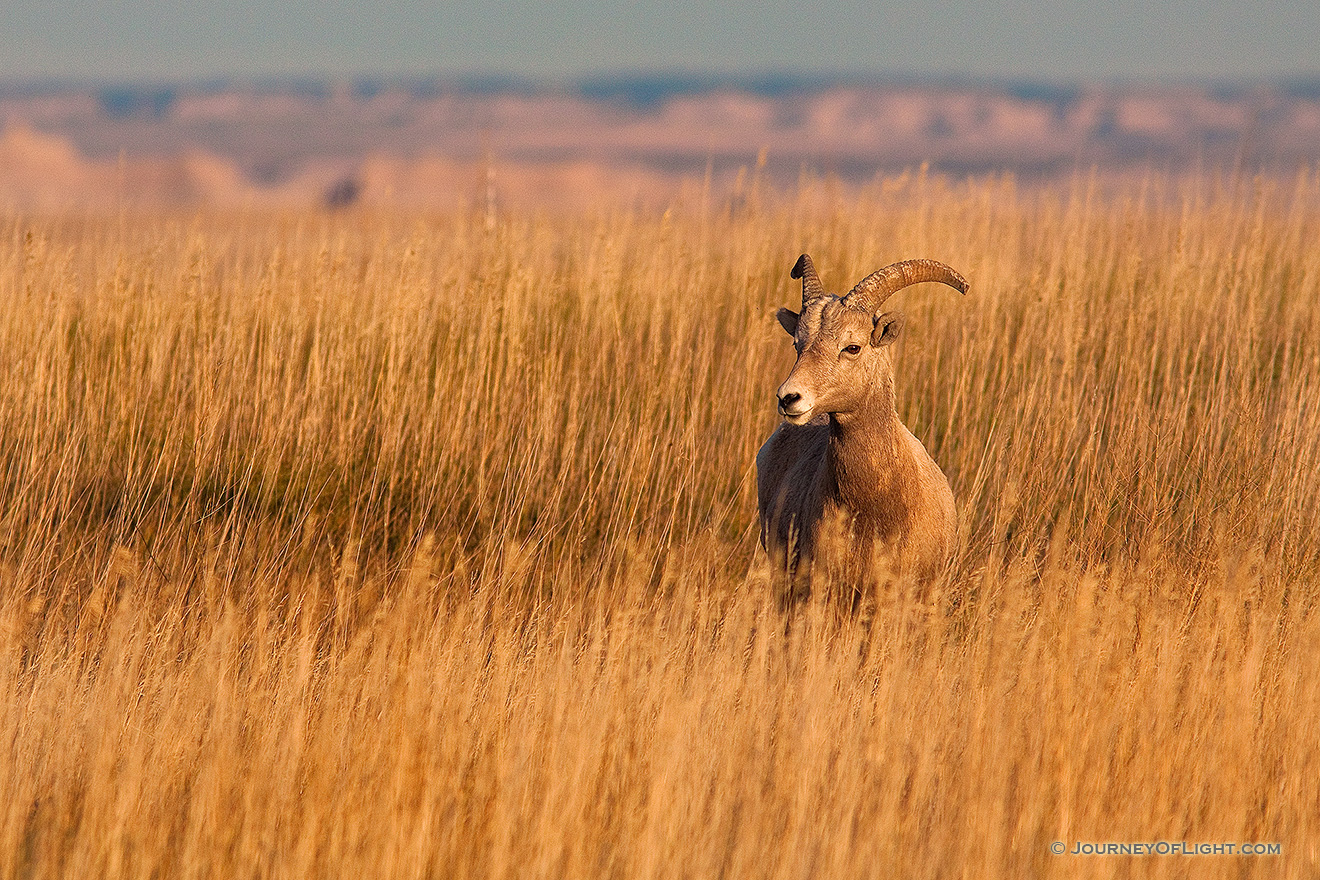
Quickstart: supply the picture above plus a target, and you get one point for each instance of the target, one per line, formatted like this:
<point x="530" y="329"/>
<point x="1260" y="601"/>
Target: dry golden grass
<point x="407" y="546"/>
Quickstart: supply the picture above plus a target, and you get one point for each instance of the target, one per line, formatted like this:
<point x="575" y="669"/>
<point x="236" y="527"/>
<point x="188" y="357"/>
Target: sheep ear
<point x="788" y="319"/>
<point x="886" y="328"/>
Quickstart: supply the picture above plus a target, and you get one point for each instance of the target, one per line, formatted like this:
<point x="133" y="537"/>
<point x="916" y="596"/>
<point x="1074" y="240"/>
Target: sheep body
<point x="842" y="457"/>
<point x="904" y="503"/>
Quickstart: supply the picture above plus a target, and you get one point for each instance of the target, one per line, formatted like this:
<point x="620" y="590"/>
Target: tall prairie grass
<point x="385" y="544"/>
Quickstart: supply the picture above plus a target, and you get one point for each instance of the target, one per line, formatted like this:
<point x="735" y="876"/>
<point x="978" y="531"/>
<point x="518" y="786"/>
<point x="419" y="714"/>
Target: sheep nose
<point x="787" y="401"/>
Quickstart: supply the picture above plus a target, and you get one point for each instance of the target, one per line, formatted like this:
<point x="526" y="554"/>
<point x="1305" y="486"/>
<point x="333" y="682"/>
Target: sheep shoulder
<point x="933" y="523"/>
<point x="897" y="497"/>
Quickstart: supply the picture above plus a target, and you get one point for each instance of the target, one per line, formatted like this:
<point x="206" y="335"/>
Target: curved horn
<point x="871" y="292"/>
<point x="806" y="270"/>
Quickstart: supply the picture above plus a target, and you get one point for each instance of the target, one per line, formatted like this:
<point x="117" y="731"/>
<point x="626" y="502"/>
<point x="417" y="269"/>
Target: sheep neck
<point x="865" y="453"/>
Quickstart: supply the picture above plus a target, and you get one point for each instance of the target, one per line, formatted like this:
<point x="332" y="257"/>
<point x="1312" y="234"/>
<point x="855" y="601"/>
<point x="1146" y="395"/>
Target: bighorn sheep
<point x="841" y="455"/>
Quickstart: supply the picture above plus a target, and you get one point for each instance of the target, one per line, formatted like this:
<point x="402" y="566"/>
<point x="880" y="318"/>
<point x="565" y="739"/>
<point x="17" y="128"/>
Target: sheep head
<point x="842" y="343"/>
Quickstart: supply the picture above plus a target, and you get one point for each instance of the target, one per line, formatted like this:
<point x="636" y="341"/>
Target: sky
<point x="1069" y="40"/>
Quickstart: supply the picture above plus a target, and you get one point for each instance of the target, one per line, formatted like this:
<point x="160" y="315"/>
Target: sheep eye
<point x="853" y="349"/>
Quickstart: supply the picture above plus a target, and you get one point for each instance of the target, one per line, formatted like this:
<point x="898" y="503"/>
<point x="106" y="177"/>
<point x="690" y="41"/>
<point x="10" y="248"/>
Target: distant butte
<point x="435" y="143"/>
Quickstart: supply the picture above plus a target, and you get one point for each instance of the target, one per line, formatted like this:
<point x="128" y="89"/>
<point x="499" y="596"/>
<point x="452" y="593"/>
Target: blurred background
<point x="446" y="105"/>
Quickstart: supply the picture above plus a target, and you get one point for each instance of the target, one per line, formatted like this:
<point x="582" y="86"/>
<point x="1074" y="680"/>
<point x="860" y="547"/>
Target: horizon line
<point x="621" y="83"/>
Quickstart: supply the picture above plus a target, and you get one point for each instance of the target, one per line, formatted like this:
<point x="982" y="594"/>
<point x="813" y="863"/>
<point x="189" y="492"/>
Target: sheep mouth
<point x="796" y="418"/>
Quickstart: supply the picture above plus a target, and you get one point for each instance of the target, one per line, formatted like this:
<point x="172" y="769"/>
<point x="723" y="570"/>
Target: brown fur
<point x="842" y="455"/>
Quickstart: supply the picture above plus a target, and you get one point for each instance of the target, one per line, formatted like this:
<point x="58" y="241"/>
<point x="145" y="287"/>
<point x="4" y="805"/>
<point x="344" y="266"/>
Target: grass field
<point x="372" y="544"/>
